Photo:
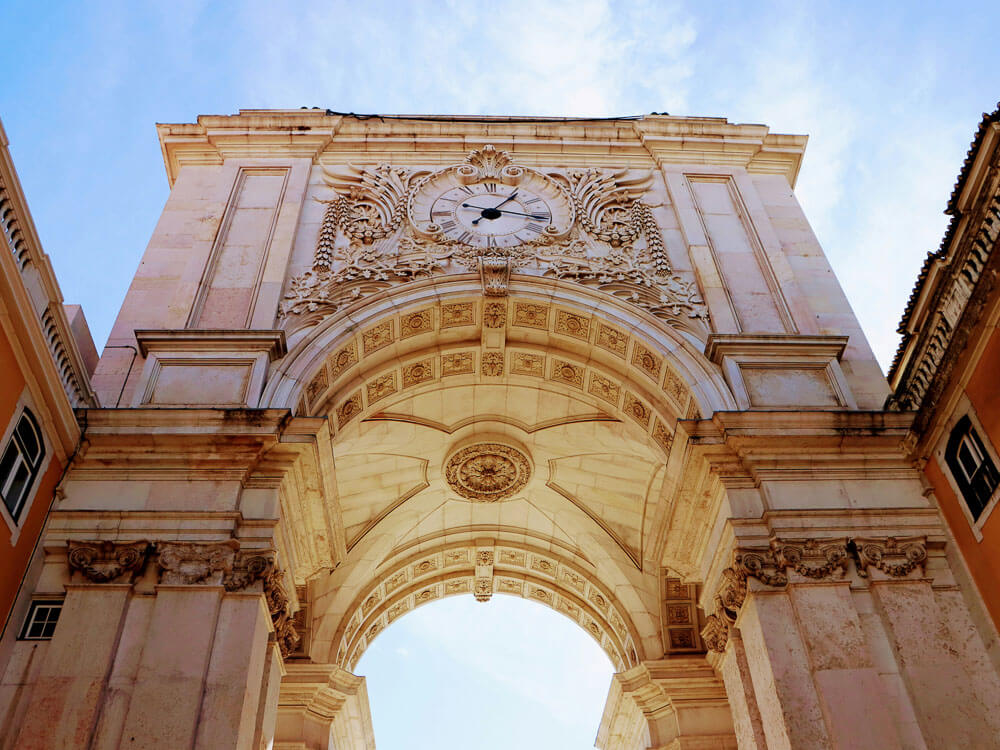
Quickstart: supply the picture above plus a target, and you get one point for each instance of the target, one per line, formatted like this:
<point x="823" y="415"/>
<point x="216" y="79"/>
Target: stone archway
<point x="581" y="391"/>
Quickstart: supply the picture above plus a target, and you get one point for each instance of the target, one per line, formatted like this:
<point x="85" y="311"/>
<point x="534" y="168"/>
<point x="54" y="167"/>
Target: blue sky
<point x="889" y="93"/>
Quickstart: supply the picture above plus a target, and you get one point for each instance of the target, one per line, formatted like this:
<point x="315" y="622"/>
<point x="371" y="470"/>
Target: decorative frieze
<point x="815" y="559"/>
<point x="105" y="561"/>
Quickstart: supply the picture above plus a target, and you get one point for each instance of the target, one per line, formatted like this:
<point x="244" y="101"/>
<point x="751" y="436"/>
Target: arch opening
<point x="505" y="674"/>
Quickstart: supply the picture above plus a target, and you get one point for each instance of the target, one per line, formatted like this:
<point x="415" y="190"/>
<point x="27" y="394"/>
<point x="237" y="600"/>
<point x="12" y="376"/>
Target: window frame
<point x="33" y="466"/>
<point x="24" y="403"/>
<point x="29" y="618"/>
<point x="963" y="410"/>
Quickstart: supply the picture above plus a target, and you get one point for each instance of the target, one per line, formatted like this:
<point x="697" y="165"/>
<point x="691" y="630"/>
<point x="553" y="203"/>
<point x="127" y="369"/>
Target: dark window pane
<point x="16" y="489"/>
<point x="7" y="463"/>
<point x="29" y="439"/>
<point x="972" y="467"/>
<point x="42" y="619"/>
<point x="967" y="460"/>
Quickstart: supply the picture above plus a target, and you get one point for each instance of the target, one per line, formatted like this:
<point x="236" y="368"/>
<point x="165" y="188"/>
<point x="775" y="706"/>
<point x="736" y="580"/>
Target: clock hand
<point x="500" y="210"/>
<point x="518" y="213"/>
<point x="507" y="199"/>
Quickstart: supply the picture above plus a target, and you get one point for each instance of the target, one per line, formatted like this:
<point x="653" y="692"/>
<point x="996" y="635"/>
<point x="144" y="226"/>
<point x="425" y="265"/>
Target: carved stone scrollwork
<point x="817" y="559"/>
<point x="102" y="562"/>
<point x="812" y="558"/>
<point x="894" y="557"/>
<point x="188" y="563"/>
<point x="715" y="634"/>
<point x="248" y="568"/>
<point x="605" y="237"/>
<point x="483" y="589"/>
<point x="495" y="275"/>
<point x="277" y="604"/>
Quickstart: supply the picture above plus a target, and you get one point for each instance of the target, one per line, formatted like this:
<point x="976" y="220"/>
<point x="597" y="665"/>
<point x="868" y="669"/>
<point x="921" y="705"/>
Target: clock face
<point x="491" y="214"/>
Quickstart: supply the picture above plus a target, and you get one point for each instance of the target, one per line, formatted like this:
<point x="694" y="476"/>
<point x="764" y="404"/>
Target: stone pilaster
<point x="323" y="707"/>
<point x="828" y="640"/>
<point x="677" y="704"/>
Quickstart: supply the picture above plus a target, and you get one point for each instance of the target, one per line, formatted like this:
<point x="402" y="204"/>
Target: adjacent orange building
<point x="46" y="357"/>
<point x="947" y="368"/>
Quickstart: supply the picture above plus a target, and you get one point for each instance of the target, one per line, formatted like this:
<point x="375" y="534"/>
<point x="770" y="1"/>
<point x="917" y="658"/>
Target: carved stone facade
<point x="604" y="367"/>
<point x="815" y="559"/>
<point x="375" y="234"/>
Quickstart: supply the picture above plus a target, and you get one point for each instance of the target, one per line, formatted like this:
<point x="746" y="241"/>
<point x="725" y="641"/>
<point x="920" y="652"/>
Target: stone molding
<point x="808" y="560"/>
<point x="482" y="567"/>
<point x="212" y="340"/>
<point x="653" y="139"/>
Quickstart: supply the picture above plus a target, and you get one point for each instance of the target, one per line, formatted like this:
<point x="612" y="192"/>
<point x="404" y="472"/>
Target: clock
<point x="494" y="212"/>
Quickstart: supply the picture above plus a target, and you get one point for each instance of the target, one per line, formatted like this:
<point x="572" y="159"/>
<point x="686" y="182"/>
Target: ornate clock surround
<point x="380" y="230"/>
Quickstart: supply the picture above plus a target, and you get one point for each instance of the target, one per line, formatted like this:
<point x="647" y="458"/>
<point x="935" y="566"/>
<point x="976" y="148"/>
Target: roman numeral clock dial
<point x="490" y="213"/>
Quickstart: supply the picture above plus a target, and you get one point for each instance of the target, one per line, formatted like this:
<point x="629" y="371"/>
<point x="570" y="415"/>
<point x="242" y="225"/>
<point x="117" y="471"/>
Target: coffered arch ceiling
<point x="572" y="398"/>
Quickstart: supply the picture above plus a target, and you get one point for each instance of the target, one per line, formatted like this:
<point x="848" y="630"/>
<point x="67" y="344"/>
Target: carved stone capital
<point x="188" y="563"/>
<point x="812" y="558"/>
<point x="896" y="557"/>
<point x="817" y="559"/>
<point x="248" y="569"/>
<point x="102" y="562"/>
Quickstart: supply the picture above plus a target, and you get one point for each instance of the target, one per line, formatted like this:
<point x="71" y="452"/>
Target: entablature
<point x="330" y="137"/>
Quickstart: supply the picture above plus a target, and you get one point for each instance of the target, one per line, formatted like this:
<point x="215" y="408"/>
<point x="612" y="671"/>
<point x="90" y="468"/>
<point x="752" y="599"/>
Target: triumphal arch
<point x="370" y="362"/>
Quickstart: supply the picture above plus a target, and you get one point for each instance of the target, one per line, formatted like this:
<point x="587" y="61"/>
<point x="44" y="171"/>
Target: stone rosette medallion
<point x="487" y="472"/>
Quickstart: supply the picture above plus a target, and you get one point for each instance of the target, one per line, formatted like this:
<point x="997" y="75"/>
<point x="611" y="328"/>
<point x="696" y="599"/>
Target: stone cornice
<point x="212" y="340"/>
<point x="337" y="138"/>
<point x="720" y="345"/>
<point x="261" y="449"/>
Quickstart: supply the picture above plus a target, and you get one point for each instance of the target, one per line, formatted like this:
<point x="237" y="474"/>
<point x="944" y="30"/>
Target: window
<point x="974" y="471"/>
<point x="41" y="620"/>
<point x="20" y="462"/>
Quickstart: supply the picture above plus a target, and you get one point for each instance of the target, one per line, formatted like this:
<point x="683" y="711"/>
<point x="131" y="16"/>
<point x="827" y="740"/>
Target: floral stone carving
<point x="102" y="562"/>
<point x="816" y="559"/>
<point x="188" y="563"/>
<point x="487" y="472"/>
<point x="370" y="239"/>
<point x="893" y="556"/>
<point x="281" y="616"/>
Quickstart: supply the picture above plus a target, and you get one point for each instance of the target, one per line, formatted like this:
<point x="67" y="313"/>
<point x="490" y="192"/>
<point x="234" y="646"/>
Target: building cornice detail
<point x="211" y="340"/>
<point x="50" y="331"/>
<point x="955" y="286"/>
<point x="324" y="136"/>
